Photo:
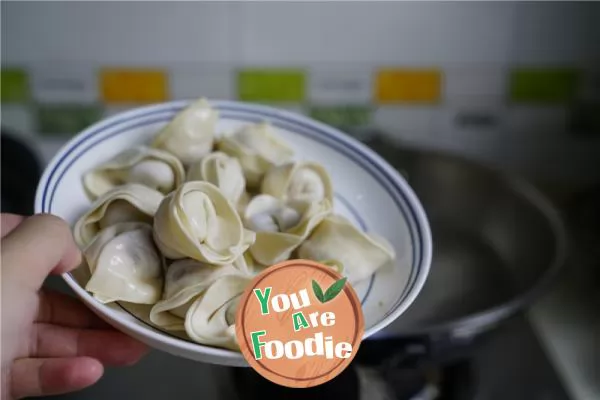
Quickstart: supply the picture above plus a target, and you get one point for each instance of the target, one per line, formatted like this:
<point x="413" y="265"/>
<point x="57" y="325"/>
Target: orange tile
<point x="402" y="85"/>
<point x="119" y="85"/>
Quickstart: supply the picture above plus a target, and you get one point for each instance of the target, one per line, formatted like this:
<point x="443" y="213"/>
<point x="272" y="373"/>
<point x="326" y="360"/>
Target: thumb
<point x="40" y="245"/>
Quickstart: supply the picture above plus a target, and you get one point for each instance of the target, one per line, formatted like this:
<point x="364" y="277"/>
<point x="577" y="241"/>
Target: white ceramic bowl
<point x="367" y="190"/>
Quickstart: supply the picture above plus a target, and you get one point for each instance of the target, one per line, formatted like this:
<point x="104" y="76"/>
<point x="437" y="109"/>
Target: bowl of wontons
<point x="177" y="206"/>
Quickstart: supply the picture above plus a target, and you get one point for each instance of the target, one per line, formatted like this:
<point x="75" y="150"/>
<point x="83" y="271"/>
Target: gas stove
<point x="506" y="363"/>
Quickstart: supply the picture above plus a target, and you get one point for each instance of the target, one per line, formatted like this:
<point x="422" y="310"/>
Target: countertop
<point x="567" y="322"/>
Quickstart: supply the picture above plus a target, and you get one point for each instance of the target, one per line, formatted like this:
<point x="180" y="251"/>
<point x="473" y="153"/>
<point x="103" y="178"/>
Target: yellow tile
<point x="408" y="86"/>
<point x="133" y="85"/>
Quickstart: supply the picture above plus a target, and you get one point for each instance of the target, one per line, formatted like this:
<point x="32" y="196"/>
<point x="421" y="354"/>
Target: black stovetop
<point x="506" y="363"/>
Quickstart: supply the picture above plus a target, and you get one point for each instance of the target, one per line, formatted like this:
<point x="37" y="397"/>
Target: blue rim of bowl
<point x="336" y="140"/>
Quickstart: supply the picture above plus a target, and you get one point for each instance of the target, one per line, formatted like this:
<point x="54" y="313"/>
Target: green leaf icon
<point x="318" y="291"/>
<point x="334" y="290"/>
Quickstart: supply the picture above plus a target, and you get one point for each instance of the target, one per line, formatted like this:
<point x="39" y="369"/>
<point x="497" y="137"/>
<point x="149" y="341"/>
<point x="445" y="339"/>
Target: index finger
<point x="61" y="309"/>
<point x="40" y="245"/>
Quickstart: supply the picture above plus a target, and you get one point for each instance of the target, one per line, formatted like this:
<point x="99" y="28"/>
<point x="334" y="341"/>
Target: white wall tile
<point x="194" y="82"/>
<point x="467" y="84"/>
<point x="64" y="83"/>
<point x="545" y="122"/>
<point x="556" y="33"/>
<point x="484" y="115"/>
<point x="406" y="123"/>
<point x="112" y="110"/>
<point x="376" y="32"/>
<point x="18" y="118"/>
<point x="117" y="32"/>
<point x="346" y="85"/>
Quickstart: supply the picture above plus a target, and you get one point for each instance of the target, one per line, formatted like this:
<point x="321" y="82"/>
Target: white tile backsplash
<point x="112" y="110"/>
<point x="17" y="117"/>
<point x="349" y="85"/>
<point x="341" y="44"/>
<point x="191" y="82"/>
<point x="412" y="124"/>
<point x="467" y="85"/>
<point x="547" y="121"/>
<point x="129" y="33"/>
<point x="299" y="33"/>
<point x="64" y="83"/>
<point x="376" y="32"/>
<point x="556" y="33"/>
<point x="485" y="116"/>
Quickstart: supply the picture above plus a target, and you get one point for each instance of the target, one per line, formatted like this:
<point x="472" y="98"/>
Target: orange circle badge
<point x="299" y="323"/>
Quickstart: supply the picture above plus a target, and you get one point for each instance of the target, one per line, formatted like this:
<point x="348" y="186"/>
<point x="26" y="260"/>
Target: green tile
<point x="350" y="116"/>
<point x="543" y="85"/>
<point x="66" y="119"/>
<point x="14" y="85"/>
<point x="271" y="85"/>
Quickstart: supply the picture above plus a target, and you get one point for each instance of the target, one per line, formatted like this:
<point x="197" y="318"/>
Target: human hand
<point x="51" y="343"/>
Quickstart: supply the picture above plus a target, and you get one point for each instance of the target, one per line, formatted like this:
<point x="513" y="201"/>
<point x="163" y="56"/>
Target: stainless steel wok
<point x="497" y="244"/>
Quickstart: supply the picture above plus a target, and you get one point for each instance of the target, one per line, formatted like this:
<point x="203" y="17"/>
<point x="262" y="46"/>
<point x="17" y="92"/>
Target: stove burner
<point x="252" y="386"/>
<point x="420" y="368"/>
<point x="381" y="370"/>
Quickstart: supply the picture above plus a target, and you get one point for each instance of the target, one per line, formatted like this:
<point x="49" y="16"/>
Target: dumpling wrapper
<point x="157" y="169"/>
<point x="335" y="265"/>
<point x="190" y="134"/>
<point x="336" y="238"/>
<point x="185" y="280"/>
<point x="247" y="265"/>
<point x="224" y="172"/>
<point x="197" y="221"/>
<point x="281" y="226"/>
<point x="258" y="149"/>
<point x="125" y="265"/>
<point x="304" y="181"/>
<point x="131" y="202"/>
<point x="210" y="320"/>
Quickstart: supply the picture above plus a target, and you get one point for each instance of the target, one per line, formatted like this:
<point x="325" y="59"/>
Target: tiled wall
<point x="516" y="83"/>
<point x="396" y="98"/>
